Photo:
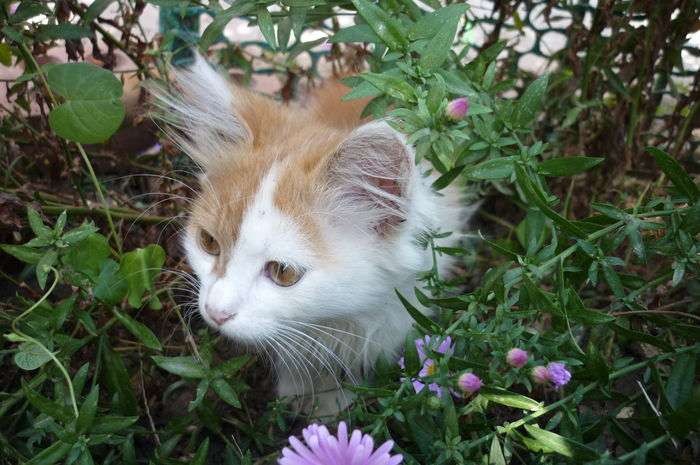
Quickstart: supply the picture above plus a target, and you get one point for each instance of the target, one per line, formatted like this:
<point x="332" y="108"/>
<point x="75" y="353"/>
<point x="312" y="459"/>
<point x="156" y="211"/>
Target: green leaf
<point x="31" y="356"/>
<point x="356" y="33"/>
<point x="117" y="380"/>
<point x="680" y="383"/>
<point x="416" y="314"/>
<point x="76" y="235"/>
<point x="110" y="286"/>
<point x="139" y="268"/>
<point x="88" y="255"/>
<point x="46" y="262"/>
<point x="530" y="102"/>
<point x="92" y="110"/>
<point x="510" y="399"/>
<point x="63" y="31"/>
<point x="496" y="453"/>
<point x="95" y="10"/>
<point x="37" y="224"/>
<point x="110" y="424"/>
<point x="224" y="390"/>
<point x="430" y="25"/>
<point x="214" y="30"/>
<point x="447" y="178"/>
<point x="5" y="55"/>
<point x="535" y="197"/>
<point x="490" y="170"/>
<point x="186" y="367"/>
<point x="561" y="445"/>
<point x="200" y="457"/>
<point x="51" y="454"/>
<point x="138" y="329"/>
<point x="88" y="411"/>
<point x="675" y="172"/>
<point x="45" y="405"/>
<point x="266" y="27"/>
<point x="567" y="166"/>
<point x="232" y="366"/>
<point x="388" y="28"/>
<point x="393" y="86"/>
<point x="23" y="253"/>
<point x="438" y="48"/>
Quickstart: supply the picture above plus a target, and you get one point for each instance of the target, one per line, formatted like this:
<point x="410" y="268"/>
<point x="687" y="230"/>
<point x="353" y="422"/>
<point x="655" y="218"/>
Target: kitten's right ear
<point x="201" y="112"/>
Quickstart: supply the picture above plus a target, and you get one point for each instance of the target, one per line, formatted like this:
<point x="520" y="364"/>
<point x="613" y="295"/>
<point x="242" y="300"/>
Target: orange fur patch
<point x="302" y="140"/>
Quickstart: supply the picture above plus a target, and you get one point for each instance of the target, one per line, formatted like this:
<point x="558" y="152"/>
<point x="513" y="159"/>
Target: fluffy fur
<point x="316" y="188"/>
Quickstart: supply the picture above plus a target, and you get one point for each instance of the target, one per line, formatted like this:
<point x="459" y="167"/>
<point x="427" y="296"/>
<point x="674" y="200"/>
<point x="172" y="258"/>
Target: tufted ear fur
<point x="370" y="176"/>
<point x="203" y="111"/>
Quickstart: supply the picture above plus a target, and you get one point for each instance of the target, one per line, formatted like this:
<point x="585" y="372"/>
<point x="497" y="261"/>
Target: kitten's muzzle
<point x="218" y="316"/>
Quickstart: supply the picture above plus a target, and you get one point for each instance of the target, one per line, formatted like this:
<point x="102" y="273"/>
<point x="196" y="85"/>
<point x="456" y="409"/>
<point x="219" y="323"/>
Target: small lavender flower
<point x="322" y="448"/>
<point x="429" y="368"/>
<point x="539" y="374"/>
<point x="457" y="108"/>
<point x="517" y="358"/>
<point x="558" y="374"/>
<point x="469" y="383"/>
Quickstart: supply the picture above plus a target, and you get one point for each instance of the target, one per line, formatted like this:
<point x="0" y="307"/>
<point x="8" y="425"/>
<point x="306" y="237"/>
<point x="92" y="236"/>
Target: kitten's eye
<point x="283" y="274"/>
<point x="208" y="243"/>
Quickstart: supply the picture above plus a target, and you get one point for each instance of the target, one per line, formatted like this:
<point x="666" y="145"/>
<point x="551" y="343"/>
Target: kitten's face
<point x="293" y="213"/>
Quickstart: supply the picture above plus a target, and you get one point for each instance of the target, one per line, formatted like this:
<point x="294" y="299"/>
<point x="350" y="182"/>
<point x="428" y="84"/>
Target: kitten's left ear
<point x="203" y="112"/>
<point x="370" y="176"/>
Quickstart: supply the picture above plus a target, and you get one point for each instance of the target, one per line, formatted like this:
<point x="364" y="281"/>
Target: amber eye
<point x="208" y="243"/>
<point x="283" y="274"/>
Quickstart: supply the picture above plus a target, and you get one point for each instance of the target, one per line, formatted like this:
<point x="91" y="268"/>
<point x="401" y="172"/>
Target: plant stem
<point x="95" y="182"/>
<point x="27" y="338"/>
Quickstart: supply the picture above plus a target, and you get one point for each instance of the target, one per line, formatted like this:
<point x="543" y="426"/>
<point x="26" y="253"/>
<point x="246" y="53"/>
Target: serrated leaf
<point x="45" y="405"/>
<point x="138" y="329"/>
<point x="356" y="33"/>
<point x="110" y="424"/>
<point x="37" y="224"/>
<point x="51" y="454"/>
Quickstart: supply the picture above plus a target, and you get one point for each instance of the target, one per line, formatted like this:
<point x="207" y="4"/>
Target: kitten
<point x="306" y="223"/>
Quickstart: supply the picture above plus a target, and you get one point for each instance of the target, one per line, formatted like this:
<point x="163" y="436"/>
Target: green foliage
<point x="96" y="373"/>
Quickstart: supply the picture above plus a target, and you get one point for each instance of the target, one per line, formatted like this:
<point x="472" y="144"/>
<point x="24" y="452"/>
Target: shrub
<point x="600" y="296"/>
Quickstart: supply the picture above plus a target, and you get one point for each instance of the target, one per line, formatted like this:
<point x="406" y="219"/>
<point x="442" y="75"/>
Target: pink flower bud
<point x="539" y="374"/>
<point x="469" y="383"/>
<point x="517" y="358"/>
<point x="457" y="108"/>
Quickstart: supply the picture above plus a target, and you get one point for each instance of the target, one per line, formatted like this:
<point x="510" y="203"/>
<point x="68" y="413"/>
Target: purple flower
<point x="322" y="448"/>
<point x="539" y="374"/>
<point x="457" y="108"/>
<point x="469" y="383"/>
<point x="429" y="368"/>
<point x="517" y="358"/>
<point x="558" y="374"/>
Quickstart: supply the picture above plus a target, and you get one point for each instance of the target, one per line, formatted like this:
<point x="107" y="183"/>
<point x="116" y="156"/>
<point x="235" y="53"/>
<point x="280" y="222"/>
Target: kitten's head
<point x="299" y="218"/>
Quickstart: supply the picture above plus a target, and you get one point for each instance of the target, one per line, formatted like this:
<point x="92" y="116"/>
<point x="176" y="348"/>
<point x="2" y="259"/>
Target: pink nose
<point x="218" y="316"/>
